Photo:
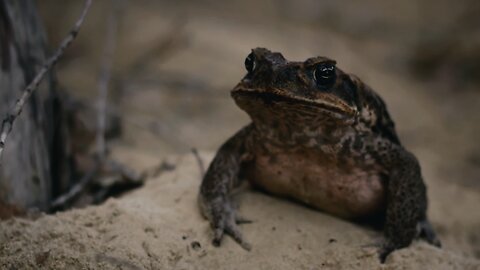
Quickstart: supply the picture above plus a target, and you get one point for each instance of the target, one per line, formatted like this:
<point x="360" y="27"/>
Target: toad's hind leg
<point x="220" y="179"/>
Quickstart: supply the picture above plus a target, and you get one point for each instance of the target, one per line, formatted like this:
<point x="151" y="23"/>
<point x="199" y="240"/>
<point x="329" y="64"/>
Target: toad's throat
<point x="340" y="110"/>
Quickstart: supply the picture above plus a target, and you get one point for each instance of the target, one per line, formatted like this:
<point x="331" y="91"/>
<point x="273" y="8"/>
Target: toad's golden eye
<point x="250" y="62"/>
<point x="324" y="74"/>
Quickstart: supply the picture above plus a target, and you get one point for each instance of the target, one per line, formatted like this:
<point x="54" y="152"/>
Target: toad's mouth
<point x="329" y="104"/>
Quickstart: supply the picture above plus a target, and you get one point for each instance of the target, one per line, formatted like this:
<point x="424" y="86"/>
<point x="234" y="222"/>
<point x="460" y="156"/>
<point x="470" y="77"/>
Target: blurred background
<point x="175" y="62"/>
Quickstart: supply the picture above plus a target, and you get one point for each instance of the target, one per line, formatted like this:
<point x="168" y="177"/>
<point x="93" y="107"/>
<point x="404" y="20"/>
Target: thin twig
<point x="12" y="115"/>
<point x="76" y="189"/>
<point x="105" y="75"/>
<point x="199" y="161"/>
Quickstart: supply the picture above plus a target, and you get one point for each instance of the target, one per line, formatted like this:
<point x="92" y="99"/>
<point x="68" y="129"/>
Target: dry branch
<point x="199" y="161"/>
<point x="123" y="174"/>
<point x="105" y="75"/>
<point x="76" y="189"/>
<point x="7" y="123"/>
<point x="127" y="175"/>
<point x="103" y="82"/>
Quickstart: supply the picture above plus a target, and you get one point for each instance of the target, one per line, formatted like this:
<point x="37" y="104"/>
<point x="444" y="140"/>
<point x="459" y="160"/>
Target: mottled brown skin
<point x="321" y="137"/>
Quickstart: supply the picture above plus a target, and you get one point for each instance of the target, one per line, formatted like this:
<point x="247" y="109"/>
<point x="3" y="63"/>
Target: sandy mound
<point x="159" y="227"/>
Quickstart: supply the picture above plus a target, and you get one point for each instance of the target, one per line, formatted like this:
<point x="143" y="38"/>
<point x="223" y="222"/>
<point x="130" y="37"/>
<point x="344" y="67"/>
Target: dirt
<point x="179" y="98"/>
<point x="159" y="227"/>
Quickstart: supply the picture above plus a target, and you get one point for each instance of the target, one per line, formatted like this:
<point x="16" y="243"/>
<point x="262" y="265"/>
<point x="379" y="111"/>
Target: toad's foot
<point x="384" y="251"/>
<point x="224" y="220"/>
<point x="426" y="232"/>
<point x="383" y="248"/>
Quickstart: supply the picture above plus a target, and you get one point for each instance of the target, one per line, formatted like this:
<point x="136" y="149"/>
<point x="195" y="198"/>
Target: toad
<point x="324" y="138"/>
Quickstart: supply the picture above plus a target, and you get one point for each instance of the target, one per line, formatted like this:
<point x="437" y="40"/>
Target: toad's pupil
<point x="250" y="62"/>
<point x="325" y="75"/>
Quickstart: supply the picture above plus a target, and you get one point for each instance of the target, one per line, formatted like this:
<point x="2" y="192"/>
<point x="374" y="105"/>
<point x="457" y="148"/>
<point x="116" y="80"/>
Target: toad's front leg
<point x="406" y="203"/>
<point x="220" y="179"/>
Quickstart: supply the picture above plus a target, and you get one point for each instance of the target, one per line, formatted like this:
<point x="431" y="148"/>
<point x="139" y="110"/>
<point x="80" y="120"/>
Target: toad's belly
<point x="339" y="190"/>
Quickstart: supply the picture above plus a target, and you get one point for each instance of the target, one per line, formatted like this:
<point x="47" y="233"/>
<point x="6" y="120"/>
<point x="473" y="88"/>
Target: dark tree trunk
<point x="35" y="162"/>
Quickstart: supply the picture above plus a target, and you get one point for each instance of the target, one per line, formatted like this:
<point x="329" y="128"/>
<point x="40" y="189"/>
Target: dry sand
<point x="159" y="227"/>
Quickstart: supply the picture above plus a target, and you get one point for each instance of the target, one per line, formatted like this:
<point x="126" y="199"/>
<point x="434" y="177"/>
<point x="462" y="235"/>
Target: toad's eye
<point x="324" y="74"/>
<point x="250" y="62"/>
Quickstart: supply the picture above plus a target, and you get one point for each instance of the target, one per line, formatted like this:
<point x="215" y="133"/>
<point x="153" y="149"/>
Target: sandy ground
<point x="178" y="98"/>
<point x="159" y="227"/>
